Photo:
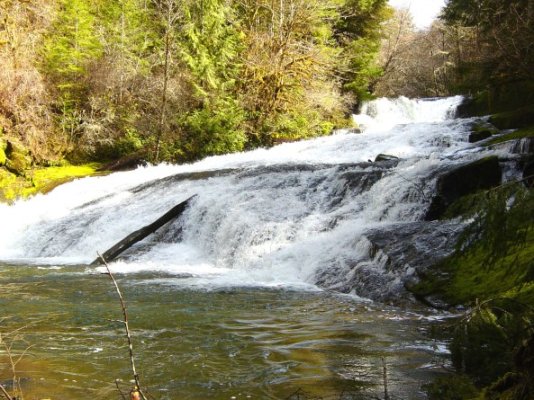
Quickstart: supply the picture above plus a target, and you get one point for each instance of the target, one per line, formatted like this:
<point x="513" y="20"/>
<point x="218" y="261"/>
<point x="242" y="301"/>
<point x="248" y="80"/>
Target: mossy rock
<point x="467" y="179"/>
<point x="451" y="387"/>
<point x="18" y="159"/>
<point x="481" y="131"/>
<point x="3" y="157"/>
<point x="519" y="118"/>
<point x="8" y="181"/>
<point x="523" y="133"/>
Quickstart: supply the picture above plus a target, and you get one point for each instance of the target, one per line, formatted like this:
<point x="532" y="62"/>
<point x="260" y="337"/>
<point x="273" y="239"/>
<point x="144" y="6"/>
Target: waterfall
<point x="297" y="215"/>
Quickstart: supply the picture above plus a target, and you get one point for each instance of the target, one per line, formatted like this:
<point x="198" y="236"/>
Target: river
<point x="262" y="288"/>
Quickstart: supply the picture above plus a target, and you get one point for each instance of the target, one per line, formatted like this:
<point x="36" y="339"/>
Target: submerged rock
<point x="397" y="255"/>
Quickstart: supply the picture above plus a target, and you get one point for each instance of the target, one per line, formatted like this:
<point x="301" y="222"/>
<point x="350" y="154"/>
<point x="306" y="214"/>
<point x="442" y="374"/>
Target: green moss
<point x="519" y="118"/>
<point x="40" y="180"/>
<point x="3" y="157"/>
<point x="518" y="134"/>
<point x="18" y="160"/>
<point x="464" y="277"/>
<point x="7" y="185"/>
<point x="451" y="387"/>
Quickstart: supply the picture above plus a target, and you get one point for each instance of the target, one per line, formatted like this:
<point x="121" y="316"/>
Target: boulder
<point x="385" y="157"/>
<point x="17" y="158"/>
<point x="520" y="118"/>
<point x="481" y="130"/>
<point x="396" y="257"/>
<point x="477" y="136"/>
<point x="467" y="179"/>
<point x="528" y="174"/>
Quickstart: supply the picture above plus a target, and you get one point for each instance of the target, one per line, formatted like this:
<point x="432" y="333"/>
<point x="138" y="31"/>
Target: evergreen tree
<point x="69" y="48"/>
<point x="209" y="46"/>
<point x="358" y="33"/>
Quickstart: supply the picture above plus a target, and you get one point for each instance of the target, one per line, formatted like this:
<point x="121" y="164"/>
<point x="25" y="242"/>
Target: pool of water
<point x="223" y="343"/>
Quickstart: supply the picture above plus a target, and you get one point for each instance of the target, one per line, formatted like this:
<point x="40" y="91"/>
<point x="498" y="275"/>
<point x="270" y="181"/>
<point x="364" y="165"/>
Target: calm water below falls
<point x="219" y="344"/>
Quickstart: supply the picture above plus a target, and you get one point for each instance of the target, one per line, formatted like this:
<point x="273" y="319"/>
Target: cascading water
<point x="227" y="300"/>
<point x="273" y="217"/>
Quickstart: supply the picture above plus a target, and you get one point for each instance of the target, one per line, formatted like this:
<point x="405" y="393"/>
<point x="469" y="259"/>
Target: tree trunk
<point x="142" y="233"/>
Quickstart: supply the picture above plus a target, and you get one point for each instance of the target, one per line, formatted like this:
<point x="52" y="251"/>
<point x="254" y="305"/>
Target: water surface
<point x="261" y="343"/>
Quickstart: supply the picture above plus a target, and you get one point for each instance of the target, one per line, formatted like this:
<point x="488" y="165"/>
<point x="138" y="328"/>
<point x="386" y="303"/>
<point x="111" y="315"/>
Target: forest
<point x="172" y="80"/>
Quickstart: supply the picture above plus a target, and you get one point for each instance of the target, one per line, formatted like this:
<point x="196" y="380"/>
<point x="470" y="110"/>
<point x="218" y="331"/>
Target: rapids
<point x="265" y="218"/>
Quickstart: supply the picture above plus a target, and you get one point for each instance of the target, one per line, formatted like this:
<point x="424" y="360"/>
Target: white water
<point x="282" y="215"/>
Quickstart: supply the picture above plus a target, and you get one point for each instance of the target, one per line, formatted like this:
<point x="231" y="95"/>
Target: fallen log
<point x="134" y="237"/>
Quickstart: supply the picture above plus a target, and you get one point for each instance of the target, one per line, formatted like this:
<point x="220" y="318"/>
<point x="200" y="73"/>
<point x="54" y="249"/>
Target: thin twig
<point x="126" y="327"/>
<point x="5" y="393"/>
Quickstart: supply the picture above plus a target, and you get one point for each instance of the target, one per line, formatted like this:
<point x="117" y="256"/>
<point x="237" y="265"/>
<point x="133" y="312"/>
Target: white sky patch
<point x="423" y="11"/>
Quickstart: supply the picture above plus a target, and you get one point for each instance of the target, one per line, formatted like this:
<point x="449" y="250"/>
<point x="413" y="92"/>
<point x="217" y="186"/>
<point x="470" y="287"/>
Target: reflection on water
<point x="222" y="344"/>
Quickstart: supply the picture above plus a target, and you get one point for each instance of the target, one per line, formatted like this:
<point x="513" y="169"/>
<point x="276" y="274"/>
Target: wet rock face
<point x="461" y="181"/>
<point x="397" y="255"/>
<point x="479" y="135"/>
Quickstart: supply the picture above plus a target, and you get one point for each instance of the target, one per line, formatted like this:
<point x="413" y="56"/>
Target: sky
<point x="423" y="11"/>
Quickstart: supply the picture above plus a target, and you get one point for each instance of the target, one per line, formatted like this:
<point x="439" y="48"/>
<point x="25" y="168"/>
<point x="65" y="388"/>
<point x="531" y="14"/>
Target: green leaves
<point x="70" y="47"/>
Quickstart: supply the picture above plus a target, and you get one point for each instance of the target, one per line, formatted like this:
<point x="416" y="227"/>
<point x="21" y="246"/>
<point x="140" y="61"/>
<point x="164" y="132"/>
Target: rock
<point x="519" y="118"/>
<point x="354" y="130"/>
<point x="397" y="255"/>
<point x="478" y="136"/>
<point x="385" y="157"/>
<point x="481" y="130"/>
<point x="467" y="179"/>
<point x="528" y="174"/>
<point x="18" y="160"/>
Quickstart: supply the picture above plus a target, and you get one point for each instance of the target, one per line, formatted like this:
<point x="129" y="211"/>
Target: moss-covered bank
<point x="40" y="179"/>
<point x="492" y="274"/>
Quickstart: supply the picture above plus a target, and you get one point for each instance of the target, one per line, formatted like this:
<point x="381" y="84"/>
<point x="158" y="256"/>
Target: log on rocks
<point x="140" y="234"/>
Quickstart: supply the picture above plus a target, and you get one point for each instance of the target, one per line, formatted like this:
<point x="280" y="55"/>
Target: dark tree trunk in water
<point x="142" y="233"/>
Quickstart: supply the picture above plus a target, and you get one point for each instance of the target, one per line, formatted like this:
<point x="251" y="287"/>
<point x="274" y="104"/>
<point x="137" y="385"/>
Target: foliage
<point x="40" y="180"/>
<point x="96" y="79"/>
<point x="502" y="226"/>
<point x="69" y="48"/>
<point x="359" y="33"/>
<point x="451" y="387"/>
<point x="493" y="271"/>
<point x="488" y="336"/>
<point x="214" y="130"/>
<point x="503" y="34"/>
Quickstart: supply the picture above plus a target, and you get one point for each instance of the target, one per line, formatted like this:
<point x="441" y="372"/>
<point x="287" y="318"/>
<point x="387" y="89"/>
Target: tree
<point x="358" y="33"/>
<point x="209" y="46"/>
<point x="24" y="98"/>
<point x="114" y="83"/>
<point x="69" y="48"/>
<point x="504" y="32"/>
<point x="288" y="86"/>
